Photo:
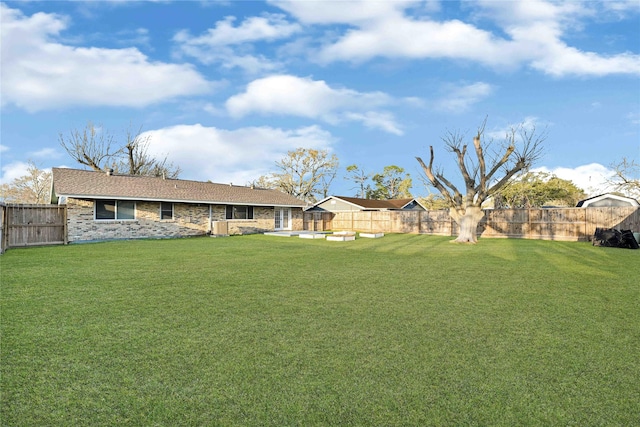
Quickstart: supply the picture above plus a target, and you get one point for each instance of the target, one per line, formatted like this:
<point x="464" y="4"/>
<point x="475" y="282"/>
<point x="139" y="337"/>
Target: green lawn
<point x="261" y="330"/>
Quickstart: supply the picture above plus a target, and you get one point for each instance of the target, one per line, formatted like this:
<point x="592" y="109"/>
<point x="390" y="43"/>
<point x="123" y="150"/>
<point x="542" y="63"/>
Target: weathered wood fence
<point x="35" y="225"/>
<point x="32" y="225"/>
<point x="577" y="224"/>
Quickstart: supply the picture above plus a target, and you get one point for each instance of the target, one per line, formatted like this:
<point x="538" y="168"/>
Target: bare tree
<point x="97" y="149"/>
<point x="327" y="178"/>
<point x="304" y="173"/>
<point x="263" y="181"/>
<point x="138" y="161"/>
<point x="33" y="187"/>
<point x="90" y="146"/>
<point x="626" y="177"/>
<point x="356" y="174"/>
<point x="484" y="175"/>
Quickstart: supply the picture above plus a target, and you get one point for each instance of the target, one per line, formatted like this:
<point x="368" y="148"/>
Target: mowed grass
<point x="261" y="330"/>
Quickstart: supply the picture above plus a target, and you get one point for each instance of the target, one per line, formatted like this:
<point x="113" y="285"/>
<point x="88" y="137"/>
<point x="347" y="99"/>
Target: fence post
<point x="3" y="229"/>
<point x="450" y="226"/>
<point x="65" y="228"/>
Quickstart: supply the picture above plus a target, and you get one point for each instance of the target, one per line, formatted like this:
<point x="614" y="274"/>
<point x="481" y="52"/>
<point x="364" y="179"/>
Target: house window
<point x="166" y="210"/>
<point x="239" y="212"/>
<point x="115" y="209"/>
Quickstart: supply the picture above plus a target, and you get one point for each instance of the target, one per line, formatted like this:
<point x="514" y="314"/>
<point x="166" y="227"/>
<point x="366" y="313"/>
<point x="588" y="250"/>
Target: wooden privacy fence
<point x="32" y="225"/>
<point x="546" y="224"/>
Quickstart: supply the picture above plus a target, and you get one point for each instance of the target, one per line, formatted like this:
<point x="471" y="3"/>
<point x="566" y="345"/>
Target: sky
<point x="224" y="89"/>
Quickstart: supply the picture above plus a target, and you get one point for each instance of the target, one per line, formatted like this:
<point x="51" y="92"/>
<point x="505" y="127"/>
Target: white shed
<point x="607" y="200"/>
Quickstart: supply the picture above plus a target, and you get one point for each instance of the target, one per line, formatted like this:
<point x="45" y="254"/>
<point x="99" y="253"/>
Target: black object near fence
<point x="613" y="238"/>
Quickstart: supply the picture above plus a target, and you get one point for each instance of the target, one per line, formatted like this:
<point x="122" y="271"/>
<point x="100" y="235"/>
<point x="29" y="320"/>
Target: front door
<point x="283" y="218"/>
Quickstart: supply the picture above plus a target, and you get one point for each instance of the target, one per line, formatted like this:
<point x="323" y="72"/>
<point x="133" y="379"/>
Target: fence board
<point x="317" y="221"/>
<point x="34" y="225"/>
<point x="547" y="224"/>
<point x="3" y="228"/>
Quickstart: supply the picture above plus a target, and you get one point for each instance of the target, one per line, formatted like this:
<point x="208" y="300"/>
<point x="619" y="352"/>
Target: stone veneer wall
<point x="263" y="221"/>
<point x="188" y="220"/>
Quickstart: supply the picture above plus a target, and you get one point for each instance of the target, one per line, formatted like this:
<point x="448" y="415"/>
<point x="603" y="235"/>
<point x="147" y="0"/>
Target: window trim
<point x="115" y="212"/>
<point x="230" y="212"/>
<point x="172" y="211"/>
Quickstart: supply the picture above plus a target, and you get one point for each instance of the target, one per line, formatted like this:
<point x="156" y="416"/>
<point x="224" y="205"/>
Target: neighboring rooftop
<point x="84" y="184"/>
<point x="607" y="200"/>
<point x="377" y="204"/>
<point x="368" y="204"/>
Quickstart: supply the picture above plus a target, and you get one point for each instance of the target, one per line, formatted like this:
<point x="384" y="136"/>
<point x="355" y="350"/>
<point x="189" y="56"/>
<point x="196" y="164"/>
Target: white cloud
<point x="402" y="37"/>
<point x="461" y="98"/>
<point x="634" y="118"/>
<point x="591" y="178"/>
<point x="267" y="27"/>
<point x="304" y="97"/>
<point x="622" y="7"/>
<point x="39" y="73"/>
<point x="534" y="31"/>
<point x="139" y="36"/>
<point x="238" y="156"/>
<point x="342" y="12"/>
<point x="220" y="45"/>
<point x="376" y="120"/>
<point x="46" y="153"/>
<point x="562" y="60"/>
<point x="13" y="171"/>
<point x="528" y="124"/>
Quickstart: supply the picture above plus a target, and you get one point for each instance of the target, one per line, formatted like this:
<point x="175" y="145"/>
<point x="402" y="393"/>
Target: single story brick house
<point x="104" y="205"/>
<point x="354" y="204"/>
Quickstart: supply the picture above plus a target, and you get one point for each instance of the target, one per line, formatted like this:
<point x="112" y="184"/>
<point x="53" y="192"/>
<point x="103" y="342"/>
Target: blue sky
<point x="225" y="89"/>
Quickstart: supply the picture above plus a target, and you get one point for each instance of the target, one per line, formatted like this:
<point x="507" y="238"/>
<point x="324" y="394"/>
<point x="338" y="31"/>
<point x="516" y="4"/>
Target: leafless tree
<point x="356" y="174"/>
<point x="138" y="161"/>
<point x="33" y="187"/>
<point x="626" y="177"/>
<point x="304" y="173"/>
<point x="96" y="148"/>
<point x="90" y="146"/>
<point x="483" y="175"/>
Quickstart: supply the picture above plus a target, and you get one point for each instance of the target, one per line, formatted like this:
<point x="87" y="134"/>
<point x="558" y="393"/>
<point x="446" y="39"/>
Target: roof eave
<point x="148" y="199"/>
<point x="349" y="203"/>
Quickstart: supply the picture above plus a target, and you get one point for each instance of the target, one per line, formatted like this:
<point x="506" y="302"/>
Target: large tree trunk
<point x="467" y="219"/>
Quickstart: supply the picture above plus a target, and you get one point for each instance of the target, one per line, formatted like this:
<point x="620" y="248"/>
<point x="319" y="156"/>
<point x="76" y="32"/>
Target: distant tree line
<point x="537" y="189"/>
<point x="308" y="173"/>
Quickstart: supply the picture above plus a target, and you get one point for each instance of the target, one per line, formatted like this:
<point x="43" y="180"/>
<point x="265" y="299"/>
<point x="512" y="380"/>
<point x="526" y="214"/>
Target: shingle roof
<point x="99" y="185"/>
<point x="376" y="204"/>
<point x="373" y="204"/>
<point x="631" y="201"/>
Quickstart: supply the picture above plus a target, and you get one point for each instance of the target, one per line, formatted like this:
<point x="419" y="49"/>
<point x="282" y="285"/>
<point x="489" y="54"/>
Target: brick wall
<point x="188" y="220"/>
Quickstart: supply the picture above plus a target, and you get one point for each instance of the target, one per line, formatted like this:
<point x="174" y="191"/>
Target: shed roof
<point x="86" y="184"/>
<point x="614" y="200"/>
<point x="370" y="204"/>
